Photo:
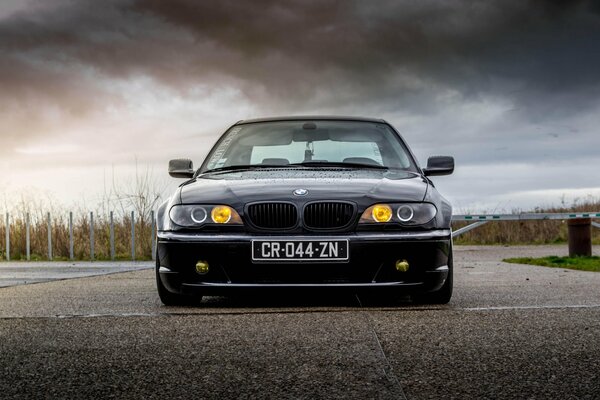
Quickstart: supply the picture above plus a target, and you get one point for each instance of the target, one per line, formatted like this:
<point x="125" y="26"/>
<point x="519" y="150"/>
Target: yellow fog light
<point x="202" y="267"/>
<point x="402" y="266"/>
<point x="221" y="214"/>
<point x="381" y="213"/>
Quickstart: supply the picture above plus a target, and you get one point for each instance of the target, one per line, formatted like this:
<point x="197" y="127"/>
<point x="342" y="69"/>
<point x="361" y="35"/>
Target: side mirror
<point x="439" y="165"/>
<point x="181" y="168"/>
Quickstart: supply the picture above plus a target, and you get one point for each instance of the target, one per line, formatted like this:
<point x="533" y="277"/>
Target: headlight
<point x="381" y="213"/>
<point x="221" y="214"/>
<point x="197" y="215"/>
<point x="405" y="214"/>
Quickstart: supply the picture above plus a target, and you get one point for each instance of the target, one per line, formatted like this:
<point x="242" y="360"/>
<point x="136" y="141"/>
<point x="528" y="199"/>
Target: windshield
<point x="282" y="143"/>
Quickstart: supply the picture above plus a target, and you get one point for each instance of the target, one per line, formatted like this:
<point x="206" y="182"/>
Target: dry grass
<point x="81" y="237"/>
<point x="495" y="232"/>
<point x="140" y="193"/>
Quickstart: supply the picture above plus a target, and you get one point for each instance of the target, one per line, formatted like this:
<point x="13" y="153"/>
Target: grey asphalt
<point x="510" y="331"/>
<point x="23" y="273"/>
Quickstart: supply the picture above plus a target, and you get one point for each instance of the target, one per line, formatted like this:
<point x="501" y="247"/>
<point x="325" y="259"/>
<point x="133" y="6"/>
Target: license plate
<point x="300" y="250"/>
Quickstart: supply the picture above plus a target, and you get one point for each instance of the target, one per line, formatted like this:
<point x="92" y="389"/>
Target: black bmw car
<point x="306" y="203"/>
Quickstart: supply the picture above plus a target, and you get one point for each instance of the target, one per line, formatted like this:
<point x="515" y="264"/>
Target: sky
<point x="91" y="90"/>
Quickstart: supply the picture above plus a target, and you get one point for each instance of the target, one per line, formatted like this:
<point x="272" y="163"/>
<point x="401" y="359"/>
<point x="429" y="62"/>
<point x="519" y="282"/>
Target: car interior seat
<point x="361" y="160"/>
<point x="275" y="161"/>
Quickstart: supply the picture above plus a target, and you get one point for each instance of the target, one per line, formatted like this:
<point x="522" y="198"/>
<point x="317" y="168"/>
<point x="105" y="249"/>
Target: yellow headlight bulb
<point x="381" y="213"/>
<point x="221" y="214"/>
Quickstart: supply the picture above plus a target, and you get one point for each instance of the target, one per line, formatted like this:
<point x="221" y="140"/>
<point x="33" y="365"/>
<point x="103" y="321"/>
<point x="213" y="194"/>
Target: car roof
<point x="310" y="117"/>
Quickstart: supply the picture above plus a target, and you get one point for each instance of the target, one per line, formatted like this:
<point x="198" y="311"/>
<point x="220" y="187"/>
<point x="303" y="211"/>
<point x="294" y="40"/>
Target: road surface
<point x="510" y="331"/>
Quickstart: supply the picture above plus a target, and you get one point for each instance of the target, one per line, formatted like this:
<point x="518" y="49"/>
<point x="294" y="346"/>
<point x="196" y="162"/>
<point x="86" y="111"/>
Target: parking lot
<point x="510" y="331"/>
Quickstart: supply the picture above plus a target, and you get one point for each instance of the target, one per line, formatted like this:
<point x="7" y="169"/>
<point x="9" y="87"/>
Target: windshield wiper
<point x="248" y="167"/>
<point x="338" y="164"/>
<point x="296" y="165"/>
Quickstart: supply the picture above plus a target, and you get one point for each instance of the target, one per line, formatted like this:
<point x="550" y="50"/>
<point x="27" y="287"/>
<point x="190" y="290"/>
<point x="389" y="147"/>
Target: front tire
<point x="173" y="299"/>
<point x="443" y="294"/>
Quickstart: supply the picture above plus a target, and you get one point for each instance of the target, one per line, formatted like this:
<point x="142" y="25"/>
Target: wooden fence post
<point x="580" y="237"/>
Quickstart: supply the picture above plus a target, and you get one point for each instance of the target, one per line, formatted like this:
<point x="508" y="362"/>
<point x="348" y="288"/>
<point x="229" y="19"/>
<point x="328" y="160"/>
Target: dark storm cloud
<point x="510" y="87"/>
<point x="397" y="53"/>
<point x="542" y="57"/>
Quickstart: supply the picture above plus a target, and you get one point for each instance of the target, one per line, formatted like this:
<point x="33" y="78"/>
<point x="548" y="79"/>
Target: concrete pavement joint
<point x="387" y="367"/>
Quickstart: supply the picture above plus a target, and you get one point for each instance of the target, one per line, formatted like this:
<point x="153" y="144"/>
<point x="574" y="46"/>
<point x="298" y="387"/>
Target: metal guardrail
<point x="481" y="219"/>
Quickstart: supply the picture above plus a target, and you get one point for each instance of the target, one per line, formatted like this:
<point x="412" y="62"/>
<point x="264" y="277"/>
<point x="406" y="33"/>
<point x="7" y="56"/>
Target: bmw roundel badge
<point x="300" y="192"/>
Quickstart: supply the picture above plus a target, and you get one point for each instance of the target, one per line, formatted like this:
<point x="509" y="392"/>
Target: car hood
<point x="362" y="186"/>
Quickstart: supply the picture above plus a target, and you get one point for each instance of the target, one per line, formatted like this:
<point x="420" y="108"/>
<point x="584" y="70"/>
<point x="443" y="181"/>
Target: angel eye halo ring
<point x="196" y="215"/>
<point x="405" y="213"/>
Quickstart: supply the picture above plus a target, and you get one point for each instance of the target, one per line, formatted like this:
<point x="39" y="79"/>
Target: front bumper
<point x="371" y="264"/>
